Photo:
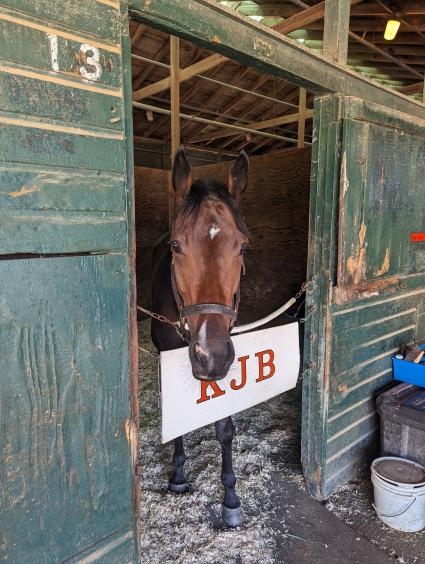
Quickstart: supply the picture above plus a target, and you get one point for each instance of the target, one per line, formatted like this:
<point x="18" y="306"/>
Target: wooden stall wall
<point x="151" y="195"/>
<point x="275" y="206"/>
<point x="68" y="403"/>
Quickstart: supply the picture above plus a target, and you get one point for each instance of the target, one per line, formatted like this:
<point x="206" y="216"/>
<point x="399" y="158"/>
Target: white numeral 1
<point x="54" y="51"/>
<point x="92" y="61"/>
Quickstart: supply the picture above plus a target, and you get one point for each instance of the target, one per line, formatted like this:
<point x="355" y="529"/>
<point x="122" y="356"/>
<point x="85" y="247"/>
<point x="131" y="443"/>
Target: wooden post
<point x="175" y="115"/>
<point x="335" y="33"/>
<point x="423" y="92"/>
<point x="301" y="116"/>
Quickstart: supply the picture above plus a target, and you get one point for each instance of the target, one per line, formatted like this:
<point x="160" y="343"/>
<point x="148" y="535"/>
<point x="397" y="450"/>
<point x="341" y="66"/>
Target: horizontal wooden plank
<point x="44" y="188"/>
<point x="376" y="309"/>
<point x="346" y="436"/>
<point x="117" y="547"/>
<point x="67" y="56"/>
<point x="100" y="19"/>
<point x="43" y="96"/>
<point x="45" y="146"/>
<point x="366" y="387"/>
<point x="368" y="111"/>
<point x="369" y="332"/>
<point x="368" y="349"/>
<point x="351" y="462"/>
<point x="46" y="232"/>
<point x="65" y="462"/>
<point x="359" y="352"/>
<point x="349" y="375"/>
<point x="209" y="24"/>
<point x="347" y="414"/>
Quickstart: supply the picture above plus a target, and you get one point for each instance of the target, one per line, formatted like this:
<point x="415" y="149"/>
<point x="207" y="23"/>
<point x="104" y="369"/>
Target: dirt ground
<point x="187" y="528"/>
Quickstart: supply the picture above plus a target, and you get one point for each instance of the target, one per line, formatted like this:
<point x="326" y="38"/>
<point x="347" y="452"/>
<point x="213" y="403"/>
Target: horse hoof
<point x="178" y="488"/>
<point x="231" y="517"/>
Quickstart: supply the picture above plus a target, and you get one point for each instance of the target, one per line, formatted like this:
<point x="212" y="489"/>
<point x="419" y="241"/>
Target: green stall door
<point x="368" y="185"/>
<point x="67" y="407"/>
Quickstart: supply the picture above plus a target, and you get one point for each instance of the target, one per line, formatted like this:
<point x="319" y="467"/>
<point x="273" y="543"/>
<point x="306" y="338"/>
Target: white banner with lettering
<point x="266" y="364"/>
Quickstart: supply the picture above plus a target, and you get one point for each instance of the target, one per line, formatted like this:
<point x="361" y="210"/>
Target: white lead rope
<point x="263" y="320"/>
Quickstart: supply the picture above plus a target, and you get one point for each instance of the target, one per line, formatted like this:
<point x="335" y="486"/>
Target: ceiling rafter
<point x="257" y="125"/>
<point x="144" y="74"/>
<point x="399" y="64"/>
<point x="292" y="95"/>
<point x="184" y="98"/>
<point x="184" y="74"/>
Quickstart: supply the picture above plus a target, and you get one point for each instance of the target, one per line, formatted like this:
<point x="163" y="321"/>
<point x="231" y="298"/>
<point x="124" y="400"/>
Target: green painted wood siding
<point x="68" y="430"/>
<point x="61" y="108"/>
<point x="369" y="276"/>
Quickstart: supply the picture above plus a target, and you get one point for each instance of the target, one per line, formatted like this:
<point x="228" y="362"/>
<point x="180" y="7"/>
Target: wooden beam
<point x="302" y="115"/>
<point x="385" y="54"/>
<point x="256" y="126"/>
<point x="137" y="34"/>
<point x="142" y="76"/>
<point x="218" y="95"/>
<point x="175" y="115"/>
<point x="185" y="74"/>
<point x="309" y="15"/>
<point x="234" y="101"/>
<point x="277" y="89"/>
<point x="335" y="32"/>
<point x="210" y="25"/>
<point x="175" y="94"/>
<point x="277" y="9"/>
<point x="184" y="96"/>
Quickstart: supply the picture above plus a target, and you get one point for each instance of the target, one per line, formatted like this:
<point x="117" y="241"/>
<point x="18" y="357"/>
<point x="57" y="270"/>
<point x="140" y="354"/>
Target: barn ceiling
<point x="230" y="93"/>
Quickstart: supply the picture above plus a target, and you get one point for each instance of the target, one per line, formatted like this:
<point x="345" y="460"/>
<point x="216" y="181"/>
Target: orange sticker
<point x="416" y="237"/>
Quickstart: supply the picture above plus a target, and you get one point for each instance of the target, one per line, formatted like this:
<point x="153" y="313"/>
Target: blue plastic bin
<point x="409" y="372"/>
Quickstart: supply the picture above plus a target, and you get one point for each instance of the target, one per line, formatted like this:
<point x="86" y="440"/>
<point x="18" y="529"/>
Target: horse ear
<point x="237" y="179"/>
<point x="181" y="175"/>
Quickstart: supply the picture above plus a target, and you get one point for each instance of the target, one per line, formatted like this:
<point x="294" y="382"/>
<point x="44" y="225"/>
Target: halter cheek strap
<point x="199" y="309"/>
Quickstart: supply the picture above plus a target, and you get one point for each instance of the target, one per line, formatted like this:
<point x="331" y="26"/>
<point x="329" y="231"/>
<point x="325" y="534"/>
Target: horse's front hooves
<point x="232" y="517"/>
<point x="178" y="488"/>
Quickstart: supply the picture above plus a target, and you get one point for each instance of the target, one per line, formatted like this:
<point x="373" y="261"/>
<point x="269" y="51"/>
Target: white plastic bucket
<point x="399" y="490"/>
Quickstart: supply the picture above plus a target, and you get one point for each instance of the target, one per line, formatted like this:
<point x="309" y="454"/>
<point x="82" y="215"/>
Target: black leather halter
<point x="199" y="309"/>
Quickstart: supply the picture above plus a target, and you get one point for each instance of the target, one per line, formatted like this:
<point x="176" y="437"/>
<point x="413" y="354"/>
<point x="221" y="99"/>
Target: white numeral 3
<point x="92" y="61"/>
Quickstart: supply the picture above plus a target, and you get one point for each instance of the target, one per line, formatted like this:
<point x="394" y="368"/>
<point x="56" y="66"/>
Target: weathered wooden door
<point x="68" y="427"/>
<point x="368" y="185"/>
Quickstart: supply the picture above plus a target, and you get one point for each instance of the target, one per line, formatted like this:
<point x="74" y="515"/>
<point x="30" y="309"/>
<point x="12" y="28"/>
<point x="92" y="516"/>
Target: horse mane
<point x="202" y="190"/>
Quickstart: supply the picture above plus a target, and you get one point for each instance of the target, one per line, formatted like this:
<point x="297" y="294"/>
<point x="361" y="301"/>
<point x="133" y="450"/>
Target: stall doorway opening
<point x="224" y="107"/>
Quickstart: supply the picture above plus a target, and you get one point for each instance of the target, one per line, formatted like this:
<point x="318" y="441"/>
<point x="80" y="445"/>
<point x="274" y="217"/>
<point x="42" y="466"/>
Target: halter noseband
<point x="199" y="309"/>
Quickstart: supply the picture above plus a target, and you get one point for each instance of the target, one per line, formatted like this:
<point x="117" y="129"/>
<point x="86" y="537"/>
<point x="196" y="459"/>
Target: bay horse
<point x="196" y="280"/>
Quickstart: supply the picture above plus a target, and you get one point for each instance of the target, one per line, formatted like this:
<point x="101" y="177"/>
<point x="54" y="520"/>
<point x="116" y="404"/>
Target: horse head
<point x="208" y="240"/>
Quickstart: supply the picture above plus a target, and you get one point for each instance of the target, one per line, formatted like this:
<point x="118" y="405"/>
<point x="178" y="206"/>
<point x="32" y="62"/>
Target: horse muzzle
<point x="212" y="359"/>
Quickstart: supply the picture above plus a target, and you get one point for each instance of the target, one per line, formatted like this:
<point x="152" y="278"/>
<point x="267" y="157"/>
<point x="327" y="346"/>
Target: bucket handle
<point x="395" y="514"/>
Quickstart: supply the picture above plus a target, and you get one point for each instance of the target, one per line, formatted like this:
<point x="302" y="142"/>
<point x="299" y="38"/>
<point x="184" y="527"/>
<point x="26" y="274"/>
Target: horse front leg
<point x="231" y="510"/>
<point x="177" y="482"/>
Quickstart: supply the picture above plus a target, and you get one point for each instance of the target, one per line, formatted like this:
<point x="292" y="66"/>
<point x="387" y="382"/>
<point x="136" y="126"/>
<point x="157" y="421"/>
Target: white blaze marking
<point x="202" y="335"/>
<point x="214" y="230"/>
<point x="202" y="338"/>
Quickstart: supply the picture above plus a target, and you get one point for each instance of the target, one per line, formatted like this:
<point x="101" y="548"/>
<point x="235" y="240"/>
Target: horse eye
<point x="175" y="246"/>
<point x="244" y="247"/>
